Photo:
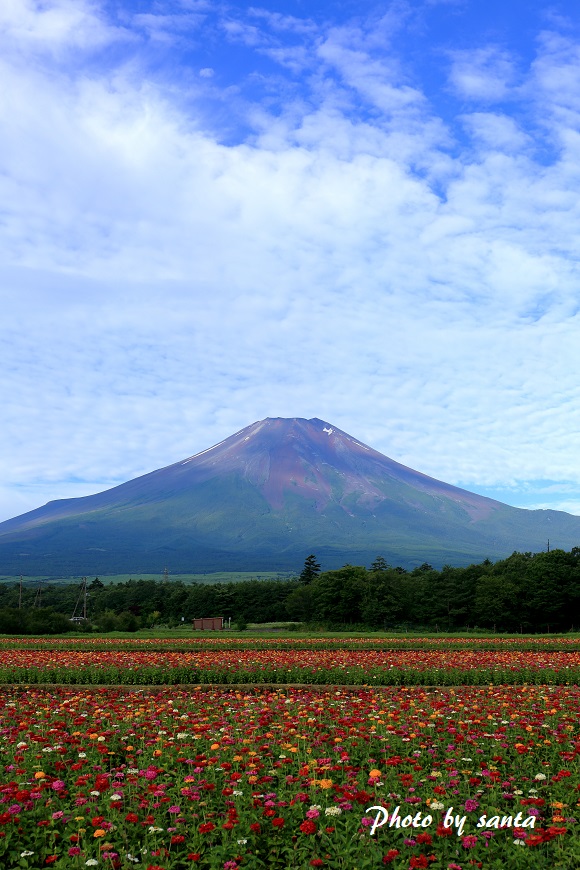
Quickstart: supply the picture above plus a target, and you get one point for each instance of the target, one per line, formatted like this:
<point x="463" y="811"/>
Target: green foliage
<point x="523" y="593"/>
<point x="310" y="571"/>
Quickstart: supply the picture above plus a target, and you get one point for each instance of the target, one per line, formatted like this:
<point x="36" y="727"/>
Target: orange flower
<point x="99" y="833"/>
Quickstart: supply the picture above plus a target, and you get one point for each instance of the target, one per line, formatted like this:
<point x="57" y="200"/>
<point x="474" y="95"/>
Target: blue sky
<point x="211" y="213"/>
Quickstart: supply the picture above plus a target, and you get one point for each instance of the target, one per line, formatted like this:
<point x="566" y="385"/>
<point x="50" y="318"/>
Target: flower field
<point x="353" y="663"/>
<point x="226" y="777"/>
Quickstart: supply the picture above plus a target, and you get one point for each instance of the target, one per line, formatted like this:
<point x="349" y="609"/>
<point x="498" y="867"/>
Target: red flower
<point x="255" y="827"/>
<point x="206" y="827"/>
<point x="194" y="856"/>
<point x="51" y="859"/>
<point x="555" y="832"/>
<point x="418" y="861"/>
<point x="317" y="862"/>
<point x="178" y="838"/>
<point x="131" y="817"/>
<point x="424" y="838"/>
<point x="308" y="827"/>
<point x="279" y="823"/>
<point x="390" y="856"/>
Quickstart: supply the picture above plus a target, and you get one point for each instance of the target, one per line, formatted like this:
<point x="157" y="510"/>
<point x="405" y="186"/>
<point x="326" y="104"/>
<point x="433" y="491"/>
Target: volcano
<point x="266" y="497"/>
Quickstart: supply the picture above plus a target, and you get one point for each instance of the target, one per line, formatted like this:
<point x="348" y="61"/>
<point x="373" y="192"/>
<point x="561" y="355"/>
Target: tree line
<point x="525" y="592"/>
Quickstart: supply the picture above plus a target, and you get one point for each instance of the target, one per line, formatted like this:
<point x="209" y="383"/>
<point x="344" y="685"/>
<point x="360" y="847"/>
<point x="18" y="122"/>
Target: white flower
<point x="26" y="854"/>
<point x="82" y="754"/>
<point x="116" y="797"/>
<point x="332" y="811"/>
<point x="100" y="739"/>
<point x="47" y="749"/>
<point x="182" y="735"/>
<point x="133" y="859"/>
<point x="435" y="805"/>
<point x="540" y="776"/>
<point x="95" y="793"/>
<point x="21" y="745"/>
<point x="153" y="830"/>
<point x="519" y="843"/>
<point x="92" y="862"/>
<point x="237" y="793"/>
<point x="315" y="807"/>
<point x="242" y="842"/>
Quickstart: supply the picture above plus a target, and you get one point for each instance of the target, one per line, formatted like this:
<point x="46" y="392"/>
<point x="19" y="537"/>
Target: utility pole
<point x="20" y="594"/>
<point x="165" y="575"/>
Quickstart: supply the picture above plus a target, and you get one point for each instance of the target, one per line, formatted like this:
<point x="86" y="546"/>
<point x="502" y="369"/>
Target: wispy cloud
<point x="487" y="74"/>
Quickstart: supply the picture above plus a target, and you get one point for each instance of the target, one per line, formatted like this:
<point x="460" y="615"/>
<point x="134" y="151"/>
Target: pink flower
<point x="469" y="842"/>
<point x="471" y="805"/>
<point x="58" y="784"/>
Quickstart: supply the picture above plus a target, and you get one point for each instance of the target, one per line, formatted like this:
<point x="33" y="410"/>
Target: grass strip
<point x="355" y="676"/>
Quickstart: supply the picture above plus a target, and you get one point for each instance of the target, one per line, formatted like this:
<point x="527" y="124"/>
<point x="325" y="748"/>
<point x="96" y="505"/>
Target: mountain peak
<point x="264" y="498"/>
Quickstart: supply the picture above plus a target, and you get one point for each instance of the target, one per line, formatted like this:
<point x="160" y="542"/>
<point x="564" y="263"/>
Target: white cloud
<point x="484" y="74"/>
<point x="32" y="25"/>
<point x="497" y="132"/>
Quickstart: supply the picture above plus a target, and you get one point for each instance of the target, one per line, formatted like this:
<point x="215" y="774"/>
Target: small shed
<point x="209" y="623"/>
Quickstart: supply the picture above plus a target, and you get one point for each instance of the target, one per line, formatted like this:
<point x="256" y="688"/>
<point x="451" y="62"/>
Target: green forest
<point x="523" y="593"/>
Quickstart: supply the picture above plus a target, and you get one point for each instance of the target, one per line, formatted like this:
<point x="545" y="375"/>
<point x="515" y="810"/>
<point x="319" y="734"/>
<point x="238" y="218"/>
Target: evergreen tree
<point x="310" y="571"/>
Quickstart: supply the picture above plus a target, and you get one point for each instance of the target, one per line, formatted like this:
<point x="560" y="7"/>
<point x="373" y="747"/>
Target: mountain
<point x="264" y="499"/>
